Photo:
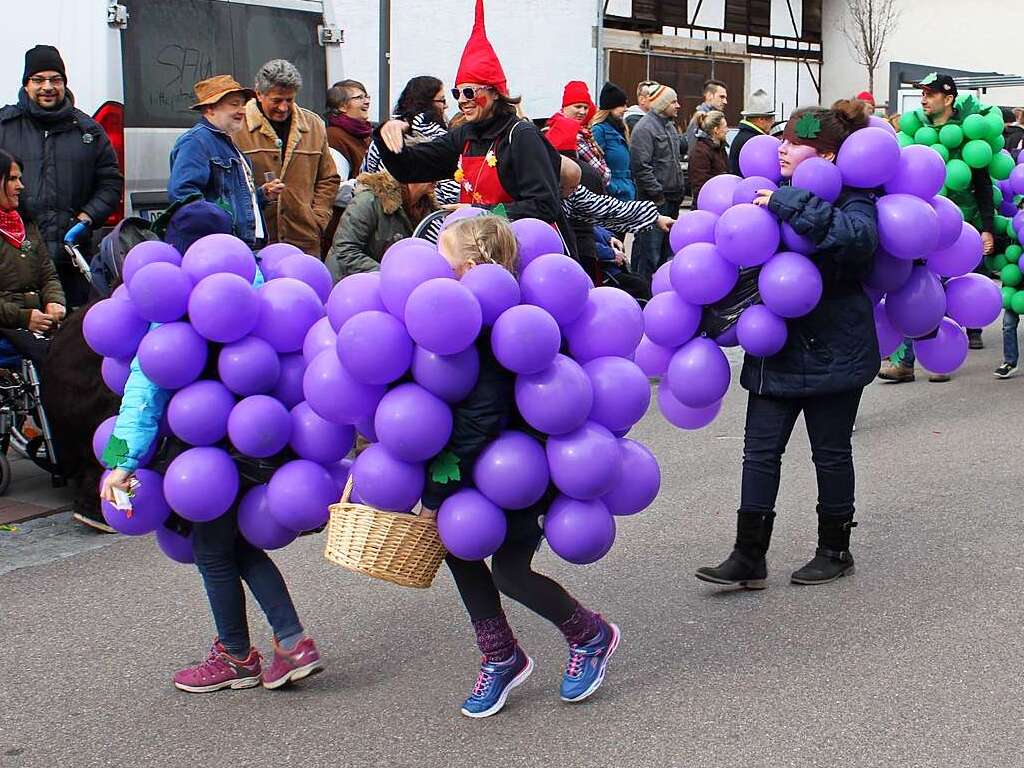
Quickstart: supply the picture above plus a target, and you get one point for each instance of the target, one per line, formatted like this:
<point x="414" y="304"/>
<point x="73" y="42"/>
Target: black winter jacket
<point x="70" y="166"/>
<point x="744" y="132"/>
<point x="834" y="348"/>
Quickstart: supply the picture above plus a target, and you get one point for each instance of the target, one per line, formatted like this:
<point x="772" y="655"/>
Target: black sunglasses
<point x="468" y="93"/>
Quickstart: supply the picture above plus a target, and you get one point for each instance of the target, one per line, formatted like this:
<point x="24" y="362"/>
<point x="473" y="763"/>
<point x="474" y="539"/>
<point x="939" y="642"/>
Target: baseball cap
<point x="936" y="82"/>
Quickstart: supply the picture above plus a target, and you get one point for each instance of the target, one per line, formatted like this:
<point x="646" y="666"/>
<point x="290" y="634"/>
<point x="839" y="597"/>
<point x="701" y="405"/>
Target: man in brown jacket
<point x="289" y="143"/>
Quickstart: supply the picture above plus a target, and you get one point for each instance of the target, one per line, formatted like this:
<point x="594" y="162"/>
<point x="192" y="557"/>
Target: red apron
<point x="478" y="178"/>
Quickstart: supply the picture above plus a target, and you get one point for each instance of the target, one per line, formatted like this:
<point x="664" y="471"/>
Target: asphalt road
<point x="914" y="661"/>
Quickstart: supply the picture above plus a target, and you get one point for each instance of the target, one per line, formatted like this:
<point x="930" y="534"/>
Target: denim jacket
<point x="205" y="160"/>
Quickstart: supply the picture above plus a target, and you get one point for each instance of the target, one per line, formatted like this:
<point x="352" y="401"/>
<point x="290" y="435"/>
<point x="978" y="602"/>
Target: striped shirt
<point x="446" y="190"/>
<point x="585" y="207"/>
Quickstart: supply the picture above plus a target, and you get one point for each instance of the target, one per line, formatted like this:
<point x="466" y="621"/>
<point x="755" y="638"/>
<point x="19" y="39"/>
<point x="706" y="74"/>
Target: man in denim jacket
<point x="205" y="160"/>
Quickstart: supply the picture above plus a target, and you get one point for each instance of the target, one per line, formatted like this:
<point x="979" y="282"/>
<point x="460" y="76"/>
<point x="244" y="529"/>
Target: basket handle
<point x="347" y="493"/>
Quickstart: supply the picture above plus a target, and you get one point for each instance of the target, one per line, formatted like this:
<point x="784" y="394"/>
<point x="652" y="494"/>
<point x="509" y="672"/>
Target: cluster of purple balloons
<point x="232" y="345"/>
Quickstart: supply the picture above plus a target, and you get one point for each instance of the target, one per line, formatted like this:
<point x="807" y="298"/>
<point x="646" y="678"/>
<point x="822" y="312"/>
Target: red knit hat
<point x="561" y="132"/>
<point x="479" y="62"/>
<point x="866" y="96"/>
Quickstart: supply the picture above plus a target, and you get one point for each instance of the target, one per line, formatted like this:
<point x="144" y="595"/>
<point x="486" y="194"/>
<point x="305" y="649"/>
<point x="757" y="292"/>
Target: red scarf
<point x="12" y="227"/>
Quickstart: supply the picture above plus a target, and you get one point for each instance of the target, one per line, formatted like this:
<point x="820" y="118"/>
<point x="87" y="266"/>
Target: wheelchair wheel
<point x="5" y="474"/>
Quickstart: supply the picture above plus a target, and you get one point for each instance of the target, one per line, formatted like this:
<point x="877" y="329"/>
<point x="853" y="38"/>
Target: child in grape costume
<point x="478" y="420"/>
<point x="829" y="356"/>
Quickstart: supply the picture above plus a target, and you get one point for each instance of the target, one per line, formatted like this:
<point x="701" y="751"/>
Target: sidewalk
<point x="31" y="493"/>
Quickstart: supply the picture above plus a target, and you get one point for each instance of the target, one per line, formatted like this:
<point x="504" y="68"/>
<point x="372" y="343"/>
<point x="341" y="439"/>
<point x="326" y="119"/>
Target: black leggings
<point x="511" y="574"/>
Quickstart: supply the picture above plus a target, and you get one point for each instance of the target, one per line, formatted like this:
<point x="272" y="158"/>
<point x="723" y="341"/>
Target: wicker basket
<point x="401" y="548"/>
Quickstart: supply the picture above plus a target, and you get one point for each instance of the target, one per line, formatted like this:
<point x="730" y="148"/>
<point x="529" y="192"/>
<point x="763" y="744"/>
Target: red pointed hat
<point x="479" y="62"/>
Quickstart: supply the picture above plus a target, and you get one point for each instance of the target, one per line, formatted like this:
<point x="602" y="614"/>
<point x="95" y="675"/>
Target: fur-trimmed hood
<point x="387" y="190"/>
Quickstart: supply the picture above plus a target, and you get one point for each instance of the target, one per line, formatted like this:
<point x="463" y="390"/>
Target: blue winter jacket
<point x="834" y="348"/>
<point x="205" y="160"/>
<point x="142" y="406"/>
<point x="616" y="154"/>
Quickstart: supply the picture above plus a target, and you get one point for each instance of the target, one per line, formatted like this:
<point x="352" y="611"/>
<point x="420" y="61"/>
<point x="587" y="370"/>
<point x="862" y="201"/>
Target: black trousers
<point x="28" y="344"/>
<point x="770" y="421"/>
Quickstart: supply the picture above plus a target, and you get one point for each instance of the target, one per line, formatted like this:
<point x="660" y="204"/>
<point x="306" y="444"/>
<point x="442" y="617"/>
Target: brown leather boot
<point x="896" y="373"/>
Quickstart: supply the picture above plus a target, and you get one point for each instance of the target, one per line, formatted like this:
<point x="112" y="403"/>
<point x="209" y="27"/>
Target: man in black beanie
<point x="72" y="179"/>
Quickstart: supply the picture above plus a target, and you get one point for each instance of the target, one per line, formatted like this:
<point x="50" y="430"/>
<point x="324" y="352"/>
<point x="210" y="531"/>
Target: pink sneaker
<point x="220" y="670"/>
<point x="288" y="666"/>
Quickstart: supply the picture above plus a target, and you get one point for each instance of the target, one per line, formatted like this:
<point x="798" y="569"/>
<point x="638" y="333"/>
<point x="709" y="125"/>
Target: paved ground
<point x="915" y="661"/>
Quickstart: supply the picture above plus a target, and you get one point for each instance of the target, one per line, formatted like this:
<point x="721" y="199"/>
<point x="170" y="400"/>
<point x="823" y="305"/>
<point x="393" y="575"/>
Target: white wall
<point x="541" y="44"/>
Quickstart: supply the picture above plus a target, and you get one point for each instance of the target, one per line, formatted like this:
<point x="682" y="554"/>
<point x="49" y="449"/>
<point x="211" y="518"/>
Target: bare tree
<point x="867" y="26"/>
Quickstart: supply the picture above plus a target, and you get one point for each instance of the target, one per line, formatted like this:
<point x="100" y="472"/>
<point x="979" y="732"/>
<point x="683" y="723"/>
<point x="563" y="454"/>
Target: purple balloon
<point x="223" y="307"/>
<point x="412" y="424"/>
<point x="558" y="284"/>
<point x="622" y="392"/>
<point x="747" y="235"/>
<point x="148" y="252"/>
<point x="512" y="471"/>
<point x="198" y="414"/>
<point x="443" y="315"/>
<point x="612" y="324"/>
<point x="461" y="213"/>
<point x="728" y="337"/>
<point x="556" y="400"/>
<point x="177" y="547"/>
<point x="259" y="426"/>
<point x="354" y="294"/>
<point x="692" y="227"/>
<point x="272" y="255"/>
<point x="149" y="509"/>
<point x="652" y="358"/>
<point x="115" y="373"/>
<point x="662" y="280"/>
<point x="760" y="157"/>
<point x="113" y="328"/>
<point x="795" y="242"/>
<point x="299" y="494"/>
<point x="403" y="270"/>
<point x="340" y="471"/>
<point x="820" y="177"/>
<point x="868" y="158"/>
<point x="320" y="337"/>
<point x="790" y="284"/>
<point x="249" y="367"/>
<point x="973" y="301"/>
<point x="874" y="294"/>
<point x="257" y="525"/>
<point x="889" y="339"/>
<point x="581" y="532"/>
<point x="219" y="253"/>
<point x="670" y="321"/>
<point x="916" y="309"/>
<point x="525" y="339"/>
<point x="173" y="355"/>
<point x="470" y="525"/>
<point x="289" y="384"/>
<point x="288" y="308"/>
<point x="945" y="351"/>
<point x="1007" y="208"/>
<point x="921" y="172"/>
<point x="317" y="439"/>
<point x="961" y="257"/>
<point x="716" y="194"/>
<point x="335" y="394"/>
<point x="877" y="122"/>
<point x="585" y="463"/>
<point x="535" y="238"/>
<point x="308" y="269"/>
<point x="385" y="482"/>
<point x="101" y="437"/>
<point x="364" y="427"/>
<point x="494" y="287"/>
<point x="374" y="347"/>
<point x="1016" y="178"/>
<point x="159" y="292"/>
<point x="683" y="416"/>
<point x="760" y="331"/>
<point x="640" y="483"/>
<point x="888" y="272"/>
<point x="201" y="484"/>
<point x="1018" y="221"/>
<point x="701" y="275"/>
<point x="908" y="227"/>
<point x="699" y="374"/>
<point x="450" y="377"/>
<point x="747" y="189"/>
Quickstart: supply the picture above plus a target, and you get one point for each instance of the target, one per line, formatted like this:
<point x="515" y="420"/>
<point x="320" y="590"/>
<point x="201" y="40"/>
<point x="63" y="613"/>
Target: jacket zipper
<point x="760" y="385"/>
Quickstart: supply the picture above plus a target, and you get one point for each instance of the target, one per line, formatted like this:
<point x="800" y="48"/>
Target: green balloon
<point x="1008" y="296"/>
<point x="994" y="120"/>
<point x="909" y="123"/>
<point x="1001" y="166"/>
<point x="958" y="175"/>
<point x="996" y="142"/>
<point x="951" y="135"/>
<point x="904" y="139"/>
<point x="1012" y="234"/>
<point x="975" y="127"/>
<point x="1017" y="302"/>
<point x="997" y="196"/>
<point x="1000" y="224"/>
<point x="977" y="153"/>
<point x="926" y="135"/>
<point x="1013" y="253"/>
<point x="999" y="261"/>
<point x="1011" y="275"/>
<point x="943" y="151"/>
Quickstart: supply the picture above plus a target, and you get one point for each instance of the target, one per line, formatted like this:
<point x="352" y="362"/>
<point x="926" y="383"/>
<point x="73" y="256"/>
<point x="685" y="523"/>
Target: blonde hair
<point x="709" y="121"/>
<point x="485" y="239"/>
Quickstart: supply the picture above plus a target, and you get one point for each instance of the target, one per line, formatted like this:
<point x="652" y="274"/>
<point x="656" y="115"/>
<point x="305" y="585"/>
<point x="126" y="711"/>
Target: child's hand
<point x="665" y="223"/>
<point x="118" y="478"/>
<point x="430" y="514"/>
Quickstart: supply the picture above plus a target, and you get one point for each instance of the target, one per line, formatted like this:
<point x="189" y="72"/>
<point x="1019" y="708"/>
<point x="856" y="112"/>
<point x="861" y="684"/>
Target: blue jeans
<point x="1011" y="320"/>
<point x="225" y="559"/>
<point x="651" y="248"/>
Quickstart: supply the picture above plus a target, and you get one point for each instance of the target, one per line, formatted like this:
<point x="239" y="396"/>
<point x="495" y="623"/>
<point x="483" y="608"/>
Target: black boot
<point x="832" y="560"/>
<point x="746" y="566"/>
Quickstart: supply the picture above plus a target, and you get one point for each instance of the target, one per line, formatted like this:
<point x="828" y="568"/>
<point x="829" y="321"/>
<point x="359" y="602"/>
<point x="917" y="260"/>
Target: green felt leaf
<point x="930" y="78"/>
<point x="897" y="357"/>
<point x="500" y="210"/>
<point x="445" y="468"/>
<point x="808" y="126"/>
<point x="115" y="453"/>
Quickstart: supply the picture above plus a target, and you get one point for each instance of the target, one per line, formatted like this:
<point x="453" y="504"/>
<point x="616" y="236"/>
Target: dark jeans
<point x="651" y="248"/>
<point x="770" y="421"/>
<point x="225" y="559"/>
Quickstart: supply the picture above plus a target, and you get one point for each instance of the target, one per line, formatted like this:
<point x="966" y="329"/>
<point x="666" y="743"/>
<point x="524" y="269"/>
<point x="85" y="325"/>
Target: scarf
<point x="47" y="117"/>
<point x="361" y="129"/>
<point x="12" y="228"/>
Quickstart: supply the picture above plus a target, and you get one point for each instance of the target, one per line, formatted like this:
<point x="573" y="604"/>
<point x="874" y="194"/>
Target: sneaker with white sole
<point x="1005" y="371"/>
<point x="288" y="666"/>
<point x="588" y="662"/>
<point x="220" y="670"/>
<point x="495" y="681"/>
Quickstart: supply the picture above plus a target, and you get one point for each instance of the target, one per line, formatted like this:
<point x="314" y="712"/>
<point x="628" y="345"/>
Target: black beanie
<point x="612" y="96"/>
<point x="43" y="58"/>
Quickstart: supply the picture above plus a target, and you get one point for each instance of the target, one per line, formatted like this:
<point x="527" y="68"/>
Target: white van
<point x="132" y="64"/>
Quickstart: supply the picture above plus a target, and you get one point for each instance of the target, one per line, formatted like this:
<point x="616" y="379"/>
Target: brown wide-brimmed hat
<point x="213" y="89"/>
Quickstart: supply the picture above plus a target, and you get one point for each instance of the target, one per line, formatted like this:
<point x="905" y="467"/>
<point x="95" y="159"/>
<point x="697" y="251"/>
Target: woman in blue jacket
<point x="610" y="133"/>
<point x="830" y="355"/>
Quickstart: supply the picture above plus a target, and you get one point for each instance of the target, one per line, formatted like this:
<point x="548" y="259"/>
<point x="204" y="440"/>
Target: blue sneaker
<point x="587" y="663"/>
<point x="494" y="683"/>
